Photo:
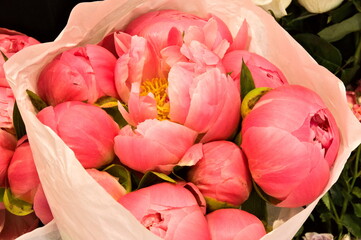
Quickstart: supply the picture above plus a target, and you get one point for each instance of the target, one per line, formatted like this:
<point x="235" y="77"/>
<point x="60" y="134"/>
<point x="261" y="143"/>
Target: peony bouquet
<point x="160" y="119"/>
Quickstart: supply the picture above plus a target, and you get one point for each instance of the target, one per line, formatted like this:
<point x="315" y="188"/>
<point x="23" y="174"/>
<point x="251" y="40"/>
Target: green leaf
<point x="16" y="206"/>
<point x="357" y="4"/>
<point x="337" y="31"/>
<point x="357" y="192"/>
<point x="2" y="192"/>
<point x="123" y="175"/>
<point x="322" y="51"/>
<point x="110" y="105"/>
<point x="18" y="122"/>
<point x="357" y="209"/>
<point x="348" y="74"/>
<point x="4" y="56"/>
<point x="341" y="13"/>
<point x="247" y="83"/>
<point x="255" y="205"/>
<point x="37" y="102"/>
<point x="151" y="178"/>
<point x="352" y="223"/>
<point x="326" y="201"/>
<point x="326" y="216"/>
<point x="213" y="204"/>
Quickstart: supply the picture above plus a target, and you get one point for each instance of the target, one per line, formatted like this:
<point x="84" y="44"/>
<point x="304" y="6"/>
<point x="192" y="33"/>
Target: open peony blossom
<point x="264" y="73"/>
<point x="88" y="130"/>
<point x="80" y="74"/>
<point x="168" y="210"/>
<point x="8" y="144"/>
<point x="22" y="174"/>
<point x="291" y="141"/>
<point x="7" y="102"/>
<point x="320" y="6"/>
<point x="234" y="224"/>
<point x="153" y="145"/>
<point x="11" y="42"/>
<point x="104" y="179"/>
<point x="172" y="70"/>
<point x="221" y="173"/>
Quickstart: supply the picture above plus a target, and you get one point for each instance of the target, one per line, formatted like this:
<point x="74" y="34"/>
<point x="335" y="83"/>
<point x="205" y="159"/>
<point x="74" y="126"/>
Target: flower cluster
<point x="176" y="97"/>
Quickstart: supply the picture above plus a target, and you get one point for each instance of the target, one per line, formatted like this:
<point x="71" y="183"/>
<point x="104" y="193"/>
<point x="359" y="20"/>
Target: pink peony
<point x="172" y="70"/>
<point x="153" y="145"/>
<point x="221" y="169"/>
<point x="80" y="74"/>
<point x="7" y="147"/>
<point x="88" y="130"/>
<point x="234" y="224"/>
<point x="7" y="101"/>
<point x="264" y="73"/>
<point x="22" y="174"/>
<point x="11" y="42"/>
<point x="291" y="141"/>
<point x="168" y="210"/>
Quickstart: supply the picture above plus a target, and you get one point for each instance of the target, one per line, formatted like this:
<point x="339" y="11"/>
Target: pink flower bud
<point x="22" y="174"/>
<point x="264" y="73"/>
<point x="80" y="74"/>
<point x="7" y="147"/>
<point x="232" y="224"/>
<point x="154" y="145"/>
<point x="88" y="130"/>
<point x="221" y="170"/>
<point x="11" y="42"/>
<point x="291" y="141"/>
<point x="169" y="211"/>
<point x="7" y="101"/>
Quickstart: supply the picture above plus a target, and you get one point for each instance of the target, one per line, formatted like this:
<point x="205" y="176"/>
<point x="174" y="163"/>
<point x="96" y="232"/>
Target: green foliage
<point x="18" y="122"/>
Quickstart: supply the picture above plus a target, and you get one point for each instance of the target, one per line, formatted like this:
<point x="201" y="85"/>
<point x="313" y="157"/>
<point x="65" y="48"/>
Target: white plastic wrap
<point x="81" y="208"/>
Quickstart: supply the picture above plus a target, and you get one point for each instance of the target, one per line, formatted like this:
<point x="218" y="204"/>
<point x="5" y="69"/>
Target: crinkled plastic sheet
<point x="81" y="208"/>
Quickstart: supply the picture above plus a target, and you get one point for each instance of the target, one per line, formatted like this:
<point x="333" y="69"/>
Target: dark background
<point x="40" y="19"/>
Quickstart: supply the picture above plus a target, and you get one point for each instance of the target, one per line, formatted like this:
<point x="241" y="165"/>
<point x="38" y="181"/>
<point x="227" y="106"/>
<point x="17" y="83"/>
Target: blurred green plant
<point x="333" y="39"/>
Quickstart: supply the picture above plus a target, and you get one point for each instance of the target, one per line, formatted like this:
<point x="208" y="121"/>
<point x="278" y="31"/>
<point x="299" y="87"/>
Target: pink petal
<point x="41" y="206"/>
<point x="242" y="38"/>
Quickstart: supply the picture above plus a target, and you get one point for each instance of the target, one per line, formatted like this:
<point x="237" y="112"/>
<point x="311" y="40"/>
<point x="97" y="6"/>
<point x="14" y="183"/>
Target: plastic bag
<point x="81" y="208"/>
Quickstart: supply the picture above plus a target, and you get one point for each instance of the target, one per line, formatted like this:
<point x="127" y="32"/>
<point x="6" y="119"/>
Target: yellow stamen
<point x="158" y="87"/>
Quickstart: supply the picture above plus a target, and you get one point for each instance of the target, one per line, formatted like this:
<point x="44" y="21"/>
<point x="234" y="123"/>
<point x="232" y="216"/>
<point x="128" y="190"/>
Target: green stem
<point x="356" y="171"/>
<point x="358" y="51"/>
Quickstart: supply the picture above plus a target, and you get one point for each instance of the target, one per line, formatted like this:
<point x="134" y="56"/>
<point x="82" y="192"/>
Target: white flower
<point x="317" y="236"/>
<point x="278" y="7"/>
<point x="319" y="6"/>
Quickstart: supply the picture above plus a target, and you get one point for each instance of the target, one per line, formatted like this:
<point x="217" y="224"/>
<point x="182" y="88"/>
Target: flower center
<point x="322" y="130"/>
<point x="158" y="88"/>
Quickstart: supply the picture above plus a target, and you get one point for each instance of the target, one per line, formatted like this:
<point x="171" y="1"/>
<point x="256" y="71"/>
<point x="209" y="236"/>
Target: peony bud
<point x="7" y="147"/>
<point x="80" y="74"/>
<point x="22" y="174"/>
<point x="169" y="211"/>
<point x="88" y="130"/>
<point x="290" y="150"/>
<point x="320" y="6"/>
<point x="277" y="7"/>
<point x="232" y="224"/>
<point x="221" y="175"/>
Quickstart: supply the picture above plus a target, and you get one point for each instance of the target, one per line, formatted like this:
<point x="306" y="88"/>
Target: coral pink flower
<point x="169" y="211"/>
<point x="104" y="179"/>
<point x="22" y="174"/>
<point x="11" y="42"/>
<point x="264" y="73"/>
<point x="91" y="136"/>
<point x="153" y="145"/>
<point x="81" y="74"/>
<point x="221" y="170"/>
<point x="7" y="101"/>
<point x="291" y="141"/>
<point x="234" y="224"/>
<point x="7" y="147"/>
<point x="354" y="104"/>
<point x="183" y="84"/>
